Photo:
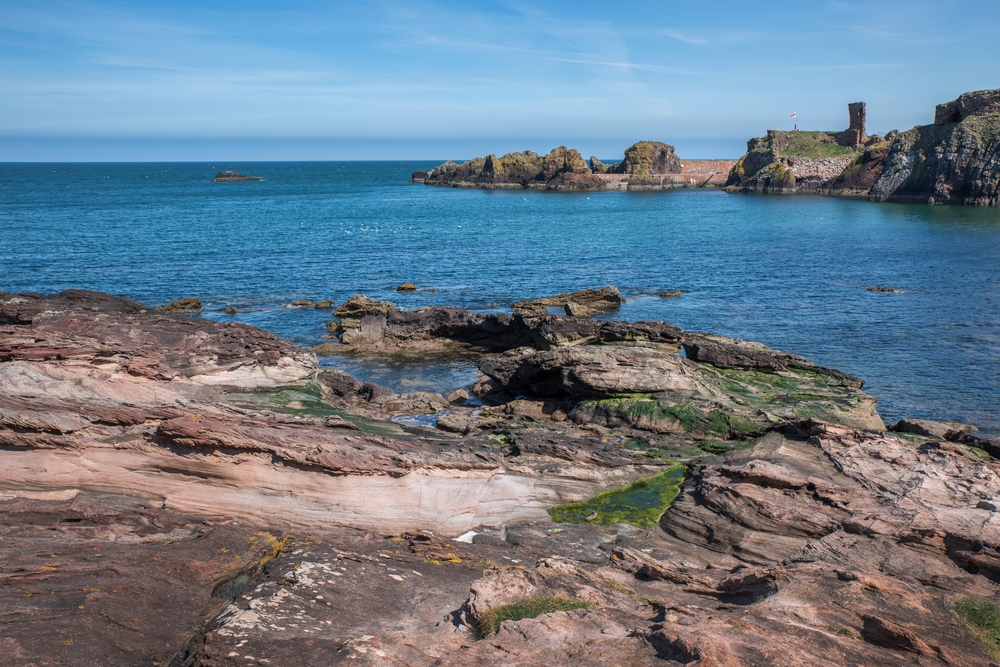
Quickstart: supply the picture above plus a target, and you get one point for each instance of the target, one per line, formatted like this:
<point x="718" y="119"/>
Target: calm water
<point x="787" y="271"/>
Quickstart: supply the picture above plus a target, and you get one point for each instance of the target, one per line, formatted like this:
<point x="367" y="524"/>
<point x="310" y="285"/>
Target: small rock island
<point x="234" y="177"/>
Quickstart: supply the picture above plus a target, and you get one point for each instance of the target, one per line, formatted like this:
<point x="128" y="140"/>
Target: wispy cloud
<point x="687" y="39"/>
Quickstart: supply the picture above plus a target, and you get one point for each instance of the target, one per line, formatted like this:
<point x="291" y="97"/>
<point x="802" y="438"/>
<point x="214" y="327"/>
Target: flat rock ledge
<point x="152" y="465"/>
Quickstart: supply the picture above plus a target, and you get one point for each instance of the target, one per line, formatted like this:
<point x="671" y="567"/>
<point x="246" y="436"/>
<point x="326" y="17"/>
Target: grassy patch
<point x="814" y="144"/>
<point x="641" y="503"/>
<point x="983" y="621"/>
<point x="528" y="608"/>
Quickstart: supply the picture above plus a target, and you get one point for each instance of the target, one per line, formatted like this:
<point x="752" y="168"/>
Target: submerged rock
<point x="234" y="177"/>
<point x="185" y="305"/>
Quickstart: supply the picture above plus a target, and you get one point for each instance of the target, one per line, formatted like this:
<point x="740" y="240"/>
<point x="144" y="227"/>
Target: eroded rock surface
<point x="151" y="464"/>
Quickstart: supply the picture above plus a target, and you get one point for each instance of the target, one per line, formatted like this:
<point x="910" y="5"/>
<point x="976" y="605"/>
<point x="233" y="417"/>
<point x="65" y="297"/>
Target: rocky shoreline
<point x="178" y="491"/>
<point x="956" y="160"/>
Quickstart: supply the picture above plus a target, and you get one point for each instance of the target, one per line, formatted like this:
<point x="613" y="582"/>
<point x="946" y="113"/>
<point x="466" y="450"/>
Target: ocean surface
<point x="790" y="272"/>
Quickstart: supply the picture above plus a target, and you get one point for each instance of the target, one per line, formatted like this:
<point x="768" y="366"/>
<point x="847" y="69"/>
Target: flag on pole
<point x="794" y="114"/>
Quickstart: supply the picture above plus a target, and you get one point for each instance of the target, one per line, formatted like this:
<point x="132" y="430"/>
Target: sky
<point x="432" y="79"/>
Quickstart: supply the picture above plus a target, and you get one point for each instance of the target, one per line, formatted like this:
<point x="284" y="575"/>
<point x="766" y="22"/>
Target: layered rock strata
<point x="150" y="464"/>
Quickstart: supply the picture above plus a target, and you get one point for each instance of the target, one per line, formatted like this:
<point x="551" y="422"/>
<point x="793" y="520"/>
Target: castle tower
<point x="857" y="127"/>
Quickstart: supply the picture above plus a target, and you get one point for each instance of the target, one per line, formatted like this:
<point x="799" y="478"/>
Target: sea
<point x="792" y="272"/>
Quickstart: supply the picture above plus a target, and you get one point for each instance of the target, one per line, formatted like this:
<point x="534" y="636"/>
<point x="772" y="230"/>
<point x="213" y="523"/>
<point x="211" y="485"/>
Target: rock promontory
<point x="646" y="165"/>
<point x="955" y="160"/>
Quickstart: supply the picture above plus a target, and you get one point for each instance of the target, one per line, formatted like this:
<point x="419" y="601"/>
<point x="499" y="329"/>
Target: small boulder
<point x="458" y="396"/>
<point x="359" y="306"/>
<point x="879" y="288"/>
<point x="324" y="303"/>
<point x="302" y="303"/>
<point x="419" y="176"/>
<point x="407" y="287"/>
<point x="231" y="310"/>
<point x="185" y="305"/>
<point x="667" y="295"/>
<point x="574" y="309"/>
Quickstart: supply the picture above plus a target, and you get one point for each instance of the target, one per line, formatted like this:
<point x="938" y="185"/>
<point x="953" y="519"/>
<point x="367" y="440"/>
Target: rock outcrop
<point x="954" y="161"/>
<point x="646" y="165"/>
<point x="583" y="303"/>
<point x="149" y="464"/>
<point x="788" y="162"/>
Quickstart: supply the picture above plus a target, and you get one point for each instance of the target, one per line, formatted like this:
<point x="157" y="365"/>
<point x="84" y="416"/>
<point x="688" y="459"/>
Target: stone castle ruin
<point x="854" y="135"/>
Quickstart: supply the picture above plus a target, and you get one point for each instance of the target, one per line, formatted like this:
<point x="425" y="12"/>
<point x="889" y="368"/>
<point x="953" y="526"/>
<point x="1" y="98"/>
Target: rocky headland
<point x="956" y="160"/>
<point x="177" y="491"/>
<point x="647" y="165"/>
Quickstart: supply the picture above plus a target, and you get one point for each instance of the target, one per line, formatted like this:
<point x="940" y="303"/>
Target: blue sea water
<point x="790" y="272"/>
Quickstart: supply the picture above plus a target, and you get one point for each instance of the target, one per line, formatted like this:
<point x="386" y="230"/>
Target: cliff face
<point x="947" y="163"/>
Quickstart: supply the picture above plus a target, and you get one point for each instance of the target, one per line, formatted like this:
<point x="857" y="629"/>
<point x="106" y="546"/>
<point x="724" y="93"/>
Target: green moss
<point x="527" y="608"/>
<point x="306" y="400"/>
<point x="976" y="451"/>
<point x="983" y="621"/>
<point x="641" y="503"/>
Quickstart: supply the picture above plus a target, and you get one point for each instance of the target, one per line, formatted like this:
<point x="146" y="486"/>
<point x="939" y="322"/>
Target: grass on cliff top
<point x="641" y="503"/>
<point x="813" y="144"/>
<point x="527" y="608"/>
<point x="983" y="621"/>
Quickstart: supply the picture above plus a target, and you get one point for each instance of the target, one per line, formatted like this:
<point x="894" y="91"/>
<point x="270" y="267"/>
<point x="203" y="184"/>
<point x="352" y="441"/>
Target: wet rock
<point x="230" y="310"/>
<point x="302" y="303"/>
<point x="877" y="288"/>
<point x="574" y="309"/>
<point x="234" y="177"/>
<point x="419" y="176"/>
<point x="458" y="396"/>
<point x="324" y="303"/>
<point x="671" y="293"/>
<point x="604" y="298"/>
<point x="185" y="305"/>
<point x="359" y="306"/>
<point x="407" y="287"/>
<point x="929" y="428"/>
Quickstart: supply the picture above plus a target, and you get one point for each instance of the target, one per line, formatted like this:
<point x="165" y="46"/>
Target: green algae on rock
<point x="527" y="608"/>
<point x="641" y="503"/>
<point x="983" y="621"/>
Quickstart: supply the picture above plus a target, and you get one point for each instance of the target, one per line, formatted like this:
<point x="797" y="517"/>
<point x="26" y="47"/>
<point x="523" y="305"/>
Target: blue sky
<point x="437" y="79"/>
